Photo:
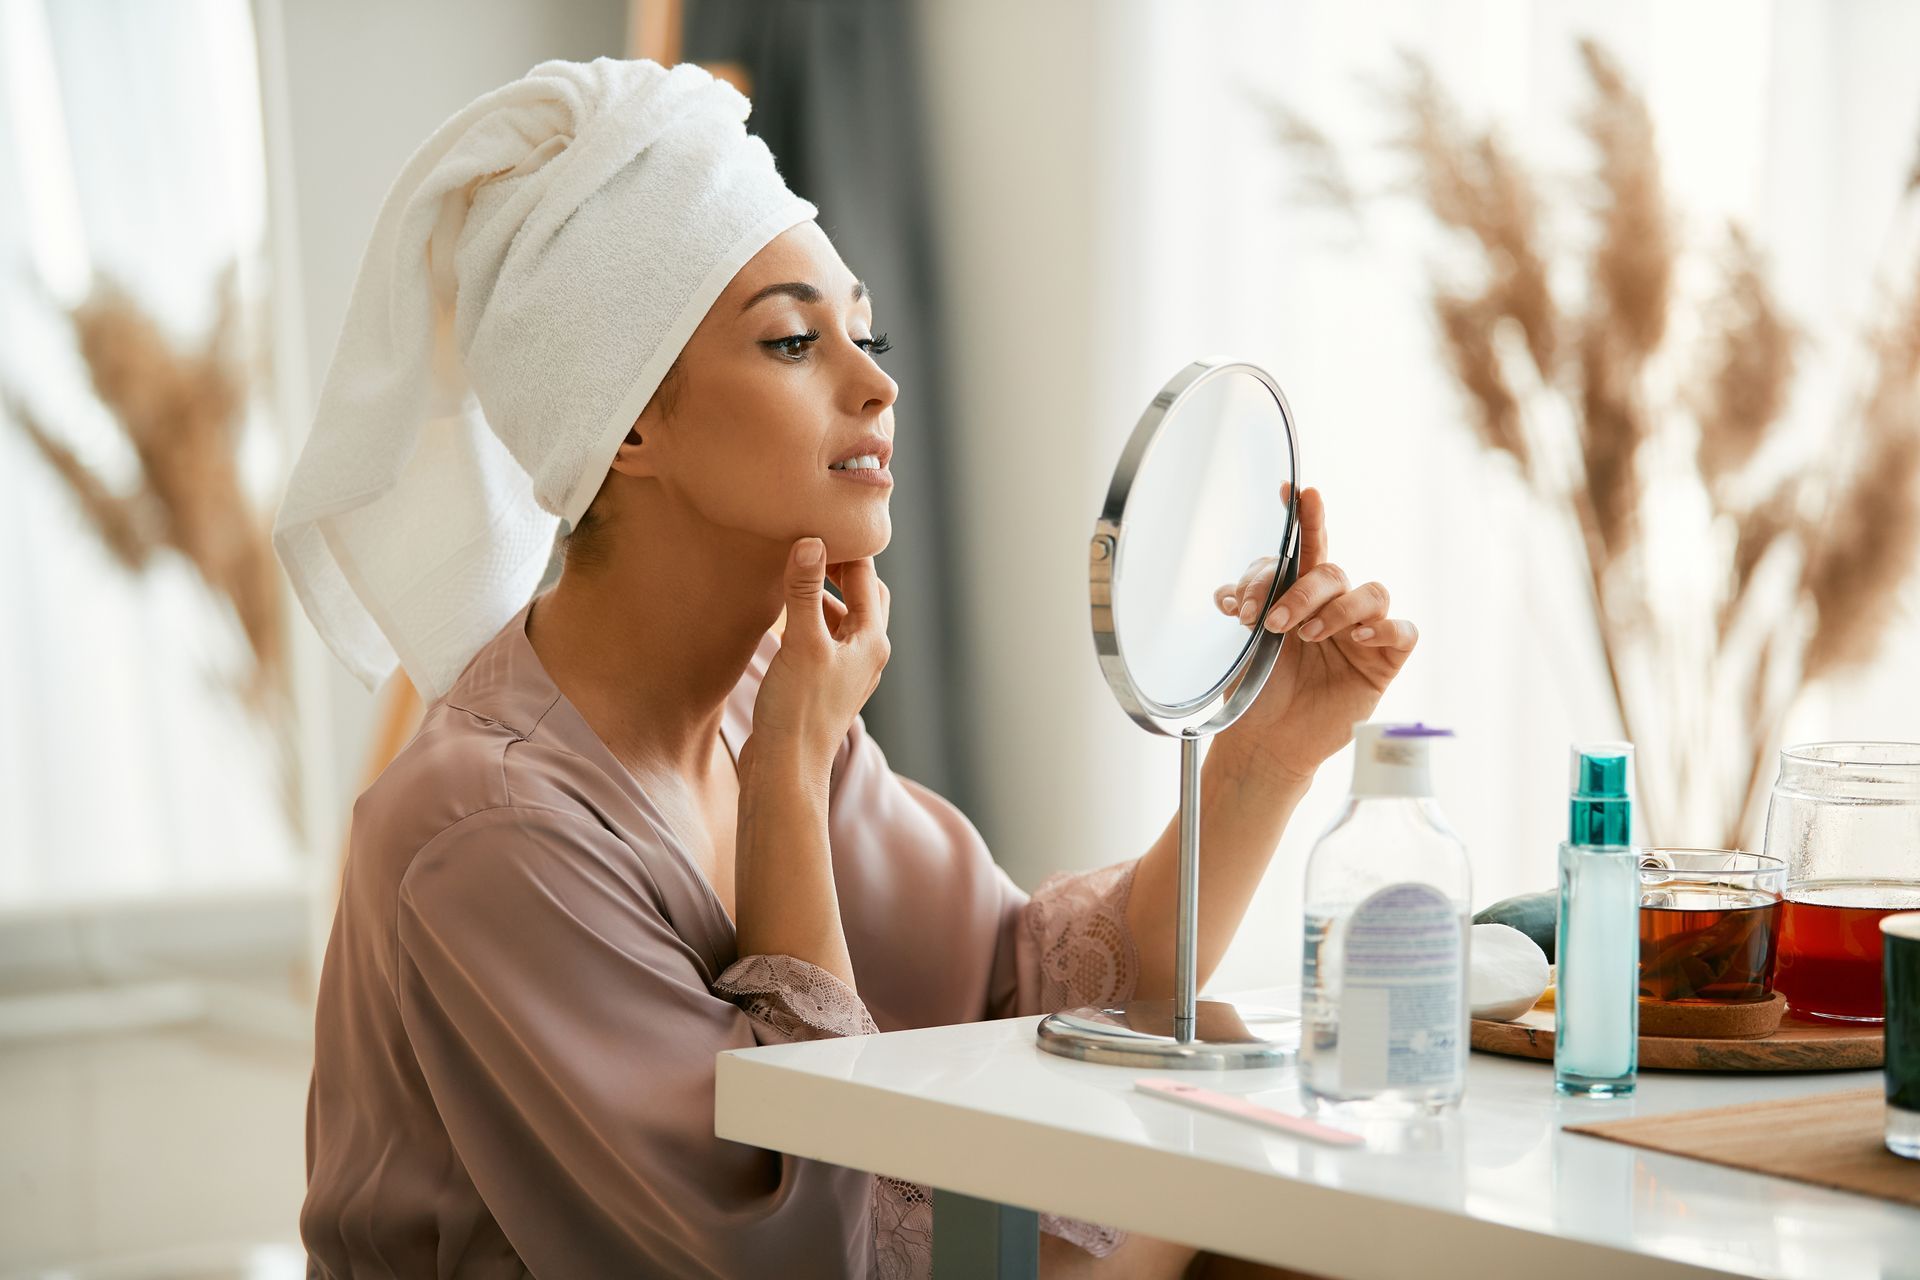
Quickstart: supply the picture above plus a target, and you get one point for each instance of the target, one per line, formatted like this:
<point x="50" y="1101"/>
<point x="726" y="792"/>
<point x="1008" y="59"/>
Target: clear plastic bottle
<point x="1384" y="980"/>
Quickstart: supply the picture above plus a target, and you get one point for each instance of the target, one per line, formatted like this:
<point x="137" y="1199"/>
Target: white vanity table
<point x="1002" y="1130"/>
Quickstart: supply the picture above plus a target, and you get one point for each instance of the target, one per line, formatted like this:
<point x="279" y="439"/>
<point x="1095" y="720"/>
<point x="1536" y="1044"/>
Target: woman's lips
<point x="878" y="477"/>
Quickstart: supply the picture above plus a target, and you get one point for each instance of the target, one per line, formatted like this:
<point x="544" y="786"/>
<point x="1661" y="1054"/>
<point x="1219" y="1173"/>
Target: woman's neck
<point x="648" y="647"/>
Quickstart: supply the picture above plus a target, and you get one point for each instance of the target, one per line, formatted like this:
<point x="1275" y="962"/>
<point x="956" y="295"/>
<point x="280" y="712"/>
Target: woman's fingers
<point x="1313" y="591"/>
<point x="836" y="605"/>
<point x="1313" y="529"/>
<point x="805" y="589"/>
<point x="1254" y="592"/>
<point x="836" y="612"/>
<point x="1320" y="603"/>
<point x="1355" y="608"/>
<point x="1245" y="597"/>
<point x="1388" y="633"/>
<point x="867" y="599"/>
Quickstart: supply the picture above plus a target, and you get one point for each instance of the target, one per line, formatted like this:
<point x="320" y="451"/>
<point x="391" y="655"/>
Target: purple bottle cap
<point x="1416" y="730"/>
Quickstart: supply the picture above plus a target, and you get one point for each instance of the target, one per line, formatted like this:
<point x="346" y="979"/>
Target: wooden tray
<point x="1797" y="1046"/>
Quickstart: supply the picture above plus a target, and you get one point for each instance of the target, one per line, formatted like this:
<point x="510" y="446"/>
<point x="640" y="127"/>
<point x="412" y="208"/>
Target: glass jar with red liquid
<point x="1845" y="818"/>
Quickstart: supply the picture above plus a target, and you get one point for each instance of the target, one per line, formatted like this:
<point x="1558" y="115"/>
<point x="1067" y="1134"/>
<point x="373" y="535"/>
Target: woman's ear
<point x="635" y="455"/>
<point x="639" y="453"/>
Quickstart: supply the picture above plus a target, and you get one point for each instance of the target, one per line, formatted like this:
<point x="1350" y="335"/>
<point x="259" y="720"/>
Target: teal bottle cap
<point x="1600" y="800"/>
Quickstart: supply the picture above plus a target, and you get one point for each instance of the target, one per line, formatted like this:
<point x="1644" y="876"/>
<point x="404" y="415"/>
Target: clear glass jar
<point x="1845" y="818"/>
<point x="1709" y="925"/>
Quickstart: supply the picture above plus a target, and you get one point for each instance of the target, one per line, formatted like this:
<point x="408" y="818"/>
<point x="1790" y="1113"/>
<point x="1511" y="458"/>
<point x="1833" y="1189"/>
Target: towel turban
<point x="535" y="270"/>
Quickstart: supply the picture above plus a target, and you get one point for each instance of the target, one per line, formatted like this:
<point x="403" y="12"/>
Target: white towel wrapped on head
<point x="535" y="269"/>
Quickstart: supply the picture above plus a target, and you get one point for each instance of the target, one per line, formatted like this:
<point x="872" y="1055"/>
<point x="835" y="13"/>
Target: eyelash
<point x="873" y="346"/>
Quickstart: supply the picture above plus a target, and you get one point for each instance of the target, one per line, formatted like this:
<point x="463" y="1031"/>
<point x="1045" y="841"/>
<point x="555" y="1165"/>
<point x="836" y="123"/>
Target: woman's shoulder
<point x="459" y="770"/>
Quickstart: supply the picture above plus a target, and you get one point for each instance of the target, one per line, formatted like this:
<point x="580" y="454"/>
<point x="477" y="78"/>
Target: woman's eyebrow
<point x="802" y="291"/>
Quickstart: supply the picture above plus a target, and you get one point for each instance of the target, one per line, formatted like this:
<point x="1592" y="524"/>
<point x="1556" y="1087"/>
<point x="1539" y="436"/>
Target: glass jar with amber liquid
<point x="1845" y="818"/>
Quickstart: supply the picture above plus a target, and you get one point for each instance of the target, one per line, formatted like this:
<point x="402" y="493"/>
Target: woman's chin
<point x="858" y="544"/>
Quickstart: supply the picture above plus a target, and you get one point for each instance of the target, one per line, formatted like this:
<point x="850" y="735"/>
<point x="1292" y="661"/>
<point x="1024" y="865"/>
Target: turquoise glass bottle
<point x="1597" y="948"/>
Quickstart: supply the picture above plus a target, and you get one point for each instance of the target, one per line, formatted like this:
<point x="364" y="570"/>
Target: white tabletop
<point x="1496" y="1189"/>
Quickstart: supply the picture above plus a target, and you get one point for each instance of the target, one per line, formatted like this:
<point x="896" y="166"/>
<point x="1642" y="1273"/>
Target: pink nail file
<point x="1241" y="1109"/>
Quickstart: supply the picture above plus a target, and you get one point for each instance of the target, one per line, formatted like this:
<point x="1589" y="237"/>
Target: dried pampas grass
<point x="1865" y="547"/>
<point x="1472" y="184"/>
<point x="1323" y="180"/>
<point x="181" y="411"/>
<point x="1749" y="372"/>
<point x="1843" y="524"/>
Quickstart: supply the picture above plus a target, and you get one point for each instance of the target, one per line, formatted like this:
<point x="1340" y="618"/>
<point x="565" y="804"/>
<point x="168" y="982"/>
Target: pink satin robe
<point x="529" y="976"/>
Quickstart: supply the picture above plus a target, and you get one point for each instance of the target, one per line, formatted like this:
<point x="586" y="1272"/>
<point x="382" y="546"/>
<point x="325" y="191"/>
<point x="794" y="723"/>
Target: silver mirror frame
<point x="1184" y="1032"/>
<point x="1223" y="703"/>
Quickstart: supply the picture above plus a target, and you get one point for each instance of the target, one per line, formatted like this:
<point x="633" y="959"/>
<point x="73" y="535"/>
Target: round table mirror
<point x="1204" y="487"/>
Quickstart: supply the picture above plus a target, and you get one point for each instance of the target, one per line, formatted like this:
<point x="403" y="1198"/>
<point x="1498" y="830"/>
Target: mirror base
<point x="1227" y="1036"/>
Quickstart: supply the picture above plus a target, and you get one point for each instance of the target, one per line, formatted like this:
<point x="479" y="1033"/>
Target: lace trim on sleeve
<point x="1091" y="1236"/>
<point x="1078" y="921"/>
<point x="902" y="1230"/>
<point x="798" y="1000"/>
<point x="1078" y="924"/>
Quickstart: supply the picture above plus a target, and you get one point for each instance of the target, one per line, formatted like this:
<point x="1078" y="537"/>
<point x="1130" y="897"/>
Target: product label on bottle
<point x="1400" y="1017"/>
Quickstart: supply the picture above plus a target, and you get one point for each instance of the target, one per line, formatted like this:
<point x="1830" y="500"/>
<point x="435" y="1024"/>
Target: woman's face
<point x="777" y="384"/>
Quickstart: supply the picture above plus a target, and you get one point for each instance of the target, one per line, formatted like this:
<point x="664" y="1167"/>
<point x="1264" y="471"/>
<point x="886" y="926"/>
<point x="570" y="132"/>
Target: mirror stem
<point x="1187" y="926"/>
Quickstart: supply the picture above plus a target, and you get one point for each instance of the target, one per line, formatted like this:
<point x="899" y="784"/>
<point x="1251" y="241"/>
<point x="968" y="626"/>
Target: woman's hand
<point x="1343" y="652"/>
<point x="831" y="654"/>
<point x="829" y="661"/>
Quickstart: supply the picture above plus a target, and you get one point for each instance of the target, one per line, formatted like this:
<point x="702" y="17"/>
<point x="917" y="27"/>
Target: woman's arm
<point x="829" y="661"/>
<point x="785" y="902"/>
<point x="1243" y="810"/>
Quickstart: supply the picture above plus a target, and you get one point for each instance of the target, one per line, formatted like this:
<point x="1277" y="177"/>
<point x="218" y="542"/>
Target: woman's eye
<point x="793" y="346"/>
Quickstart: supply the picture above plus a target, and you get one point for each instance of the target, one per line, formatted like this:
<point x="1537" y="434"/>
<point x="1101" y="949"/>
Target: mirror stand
<point x="1184" y="1031"/>
<point x="1214" y="423"/>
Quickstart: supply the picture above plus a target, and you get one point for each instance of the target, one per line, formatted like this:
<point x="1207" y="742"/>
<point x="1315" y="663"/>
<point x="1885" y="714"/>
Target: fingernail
<point x="1312" y="630"/>
<point x="1227" y="603"/>
<point x="1278" y="618"/>
<point x="1248" y="609"/>
<point x="1363" y="633"/>
<point x="812" y="552"/>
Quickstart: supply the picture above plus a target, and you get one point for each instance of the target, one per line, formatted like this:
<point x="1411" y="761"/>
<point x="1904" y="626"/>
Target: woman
<point x="641" y="822"/>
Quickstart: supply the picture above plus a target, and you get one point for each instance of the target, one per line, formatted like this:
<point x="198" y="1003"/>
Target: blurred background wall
<point x="1107" y="198"/>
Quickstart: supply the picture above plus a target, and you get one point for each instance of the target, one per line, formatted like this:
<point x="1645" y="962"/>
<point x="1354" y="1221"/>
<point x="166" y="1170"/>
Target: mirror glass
<point x="1210" y="498"/>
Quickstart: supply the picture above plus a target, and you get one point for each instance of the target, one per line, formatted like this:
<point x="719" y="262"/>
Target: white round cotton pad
<point x="1508" y="972"/>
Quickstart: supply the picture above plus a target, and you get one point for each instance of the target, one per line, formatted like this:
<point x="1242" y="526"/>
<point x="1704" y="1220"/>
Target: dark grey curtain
<point x="836" y="97"/>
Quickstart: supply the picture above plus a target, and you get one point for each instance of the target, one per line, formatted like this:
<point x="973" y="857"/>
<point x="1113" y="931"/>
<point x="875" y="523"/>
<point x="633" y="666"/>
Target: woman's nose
<point x="875" y="386"/>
